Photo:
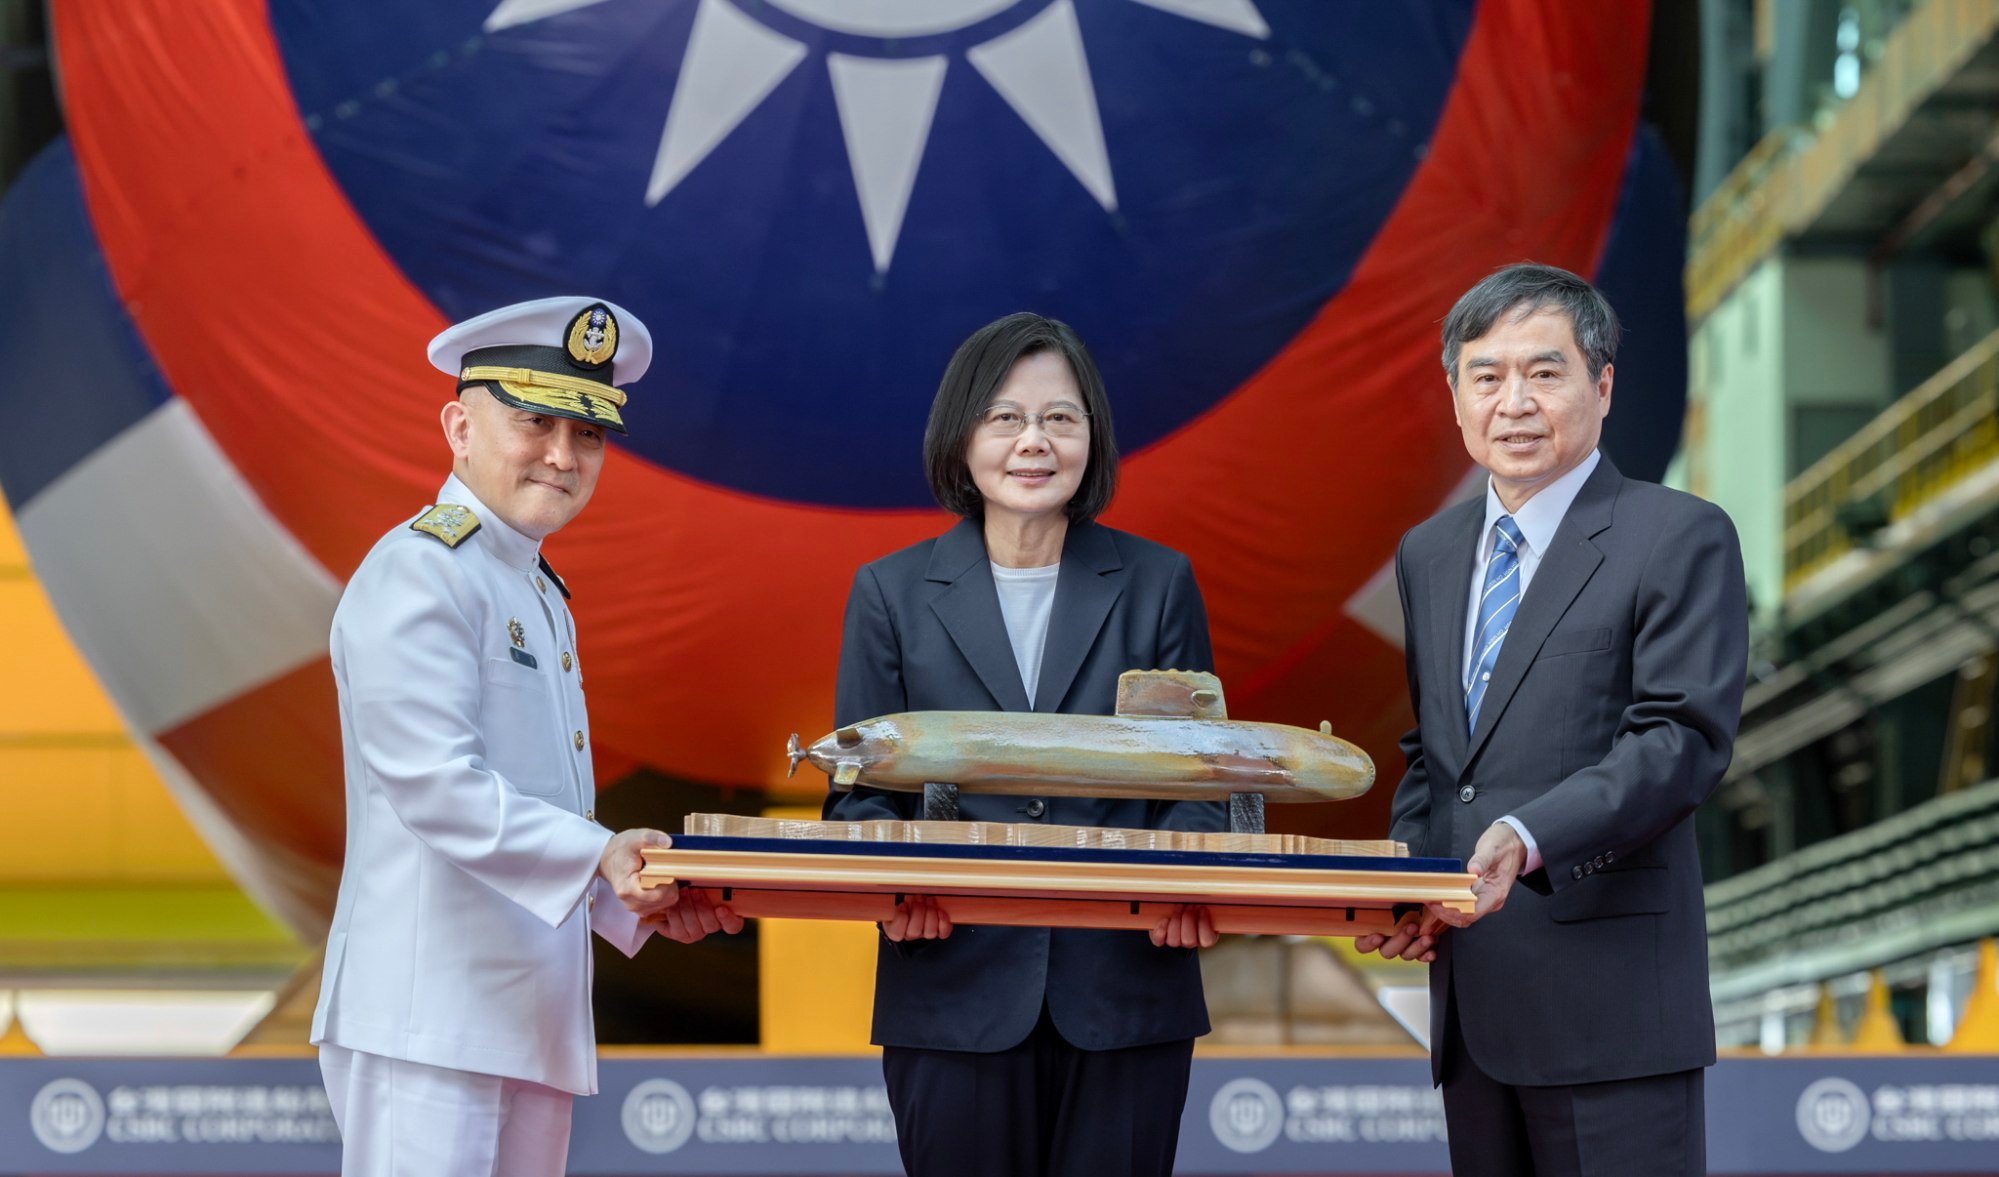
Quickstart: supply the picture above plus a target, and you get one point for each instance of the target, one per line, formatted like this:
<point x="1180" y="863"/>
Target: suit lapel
<point x="968" y="606"/>
<point x="1450" y="566"/>
<point x="1570" y="561"/>
<point x="1090" y="582"/>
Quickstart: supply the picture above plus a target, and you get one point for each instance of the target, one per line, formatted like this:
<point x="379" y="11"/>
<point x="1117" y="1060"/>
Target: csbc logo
<point x="1246" y="1115"/>
<point x="67" y="1116"/>
<point x="658" y="1116"/>
<point x="1833" y="1115"/>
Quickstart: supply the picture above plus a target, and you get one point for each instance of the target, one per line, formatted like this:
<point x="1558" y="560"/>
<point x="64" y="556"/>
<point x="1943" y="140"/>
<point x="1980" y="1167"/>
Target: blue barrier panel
<point x="746" y="1114"/>
<point x="165" y="1116"/>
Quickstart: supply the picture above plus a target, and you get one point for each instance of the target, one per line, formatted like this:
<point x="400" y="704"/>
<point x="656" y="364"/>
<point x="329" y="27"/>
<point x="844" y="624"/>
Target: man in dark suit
<point x="1575" y="650"/>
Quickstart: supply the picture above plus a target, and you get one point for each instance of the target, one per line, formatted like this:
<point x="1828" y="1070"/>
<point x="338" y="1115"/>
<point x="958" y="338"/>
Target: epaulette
<point x="448" y="523"/>
<point x="552" y="576"/>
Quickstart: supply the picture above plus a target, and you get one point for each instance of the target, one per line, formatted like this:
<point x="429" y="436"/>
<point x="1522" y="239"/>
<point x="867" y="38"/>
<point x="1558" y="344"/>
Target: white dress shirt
<point x="1538" y="519"/>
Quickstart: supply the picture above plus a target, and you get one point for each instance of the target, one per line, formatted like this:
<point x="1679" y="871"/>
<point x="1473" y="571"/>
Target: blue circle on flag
<point x="810" y="219"/>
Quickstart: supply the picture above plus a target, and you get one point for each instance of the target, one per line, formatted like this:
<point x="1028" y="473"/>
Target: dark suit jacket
<point x="924" y="633"/>
<point x="1610" y="716"/>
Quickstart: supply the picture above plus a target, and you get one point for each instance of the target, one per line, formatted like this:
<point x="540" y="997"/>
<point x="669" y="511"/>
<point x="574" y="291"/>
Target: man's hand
<point x="695" y="917"/>
<point x="918" y="917"/>
<point x="1497" y="861"/>
<point x="1188" y="927"/>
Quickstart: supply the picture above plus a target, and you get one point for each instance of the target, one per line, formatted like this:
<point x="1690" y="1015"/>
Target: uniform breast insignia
<point x="448" y="523"/>
<point x="518" y="634"/>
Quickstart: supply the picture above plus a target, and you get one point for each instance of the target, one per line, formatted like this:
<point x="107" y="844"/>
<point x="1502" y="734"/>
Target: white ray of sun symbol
<point x="733" y="63"/>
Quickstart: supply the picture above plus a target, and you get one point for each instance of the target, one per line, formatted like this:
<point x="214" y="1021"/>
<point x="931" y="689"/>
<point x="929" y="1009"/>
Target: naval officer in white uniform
<point x="454" y="1020"/>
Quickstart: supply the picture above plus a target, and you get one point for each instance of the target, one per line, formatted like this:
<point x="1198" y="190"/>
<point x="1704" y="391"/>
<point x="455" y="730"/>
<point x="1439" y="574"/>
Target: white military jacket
<point x="461" y="935"/>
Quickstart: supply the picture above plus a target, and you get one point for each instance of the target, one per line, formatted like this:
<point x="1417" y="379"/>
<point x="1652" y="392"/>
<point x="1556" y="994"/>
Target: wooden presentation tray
<point x="1064" y="886"/>
<point x="1024" y="833"/>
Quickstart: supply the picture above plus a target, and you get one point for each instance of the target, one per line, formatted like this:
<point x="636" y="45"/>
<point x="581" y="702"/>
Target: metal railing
<point x="1943" y="431"/>
<point x="1937" y="859"/>
<point x="1737" y="225"/>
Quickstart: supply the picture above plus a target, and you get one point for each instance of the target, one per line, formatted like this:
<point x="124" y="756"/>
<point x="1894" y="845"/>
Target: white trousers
<point x="404" y="1119"/>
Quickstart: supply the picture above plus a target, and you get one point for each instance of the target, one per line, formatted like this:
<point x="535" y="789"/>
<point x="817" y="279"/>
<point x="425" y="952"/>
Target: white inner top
<point x="1026" y="598"/>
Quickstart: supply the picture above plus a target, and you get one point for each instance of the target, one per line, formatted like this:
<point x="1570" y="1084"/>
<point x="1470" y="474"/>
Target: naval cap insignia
<point x="518" y="632"/>
<point x="593" y="335"/>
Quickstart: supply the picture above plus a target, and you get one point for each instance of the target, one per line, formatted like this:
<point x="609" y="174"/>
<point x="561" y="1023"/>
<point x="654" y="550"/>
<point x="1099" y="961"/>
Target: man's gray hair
<point x="1520" y="290"/>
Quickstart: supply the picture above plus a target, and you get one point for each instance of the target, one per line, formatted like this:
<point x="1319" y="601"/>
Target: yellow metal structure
<point x="1938" y="435"/>
<point x="1782" y="186"/>
<point x="15" y="1043"/>
<point x="1877" y="1029"/>
<point x="1964" y="761"/>
<point x="1826" y="1034"/>
<point x="1978" y="1030"/>
<point x="1735" y="227"/>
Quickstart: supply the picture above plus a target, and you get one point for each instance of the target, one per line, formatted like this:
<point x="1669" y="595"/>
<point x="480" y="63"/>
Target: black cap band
<point x="531" y="355"/>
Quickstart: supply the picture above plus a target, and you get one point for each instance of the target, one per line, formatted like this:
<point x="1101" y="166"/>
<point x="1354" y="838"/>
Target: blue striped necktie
<point x="1497" y="603"/>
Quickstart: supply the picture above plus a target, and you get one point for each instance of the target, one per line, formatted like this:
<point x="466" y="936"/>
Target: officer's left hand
<point x="1189" y="927"/>
<point x="694" y="918"/>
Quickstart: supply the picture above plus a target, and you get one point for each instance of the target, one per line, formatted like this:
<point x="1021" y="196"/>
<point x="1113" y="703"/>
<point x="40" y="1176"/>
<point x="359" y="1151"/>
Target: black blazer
<point x="1610" y="716"/>
<point x="924" y="633"/>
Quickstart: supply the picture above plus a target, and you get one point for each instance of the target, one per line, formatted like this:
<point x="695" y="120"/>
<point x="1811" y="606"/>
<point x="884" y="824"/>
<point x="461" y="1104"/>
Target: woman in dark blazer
<point x="1027" y="1050"/>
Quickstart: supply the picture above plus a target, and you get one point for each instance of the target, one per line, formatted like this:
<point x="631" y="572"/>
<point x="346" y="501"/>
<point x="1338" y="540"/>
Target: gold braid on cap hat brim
<point x="535" y="378"/>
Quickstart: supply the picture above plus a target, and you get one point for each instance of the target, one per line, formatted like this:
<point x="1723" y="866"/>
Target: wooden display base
<point x="1057" y="887"/>
<point x="1024" y="833"/>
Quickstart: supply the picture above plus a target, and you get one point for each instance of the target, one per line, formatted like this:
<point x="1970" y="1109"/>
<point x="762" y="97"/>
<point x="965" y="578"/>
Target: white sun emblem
<point x="733" y="62"/>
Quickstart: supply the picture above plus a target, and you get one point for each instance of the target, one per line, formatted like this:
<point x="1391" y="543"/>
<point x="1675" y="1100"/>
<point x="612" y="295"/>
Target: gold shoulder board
<point x="448" y="523"/>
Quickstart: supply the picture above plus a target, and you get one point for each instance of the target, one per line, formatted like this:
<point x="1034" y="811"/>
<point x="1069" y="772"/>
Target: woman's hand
<point x="918" y="917"/>
<point x="1190" y="926"/>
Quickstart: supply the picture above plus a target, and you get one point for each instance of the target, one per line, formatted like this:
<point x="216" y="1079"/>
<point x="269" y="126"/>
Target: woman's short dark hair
<point x="970" y="382"/>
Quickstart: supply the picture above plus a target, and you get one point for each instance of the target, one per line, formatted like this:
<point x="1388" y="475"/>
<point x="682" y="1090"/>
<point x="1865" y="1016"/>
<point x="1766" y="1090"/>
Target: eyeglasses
<point x="1060" y="419"/>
